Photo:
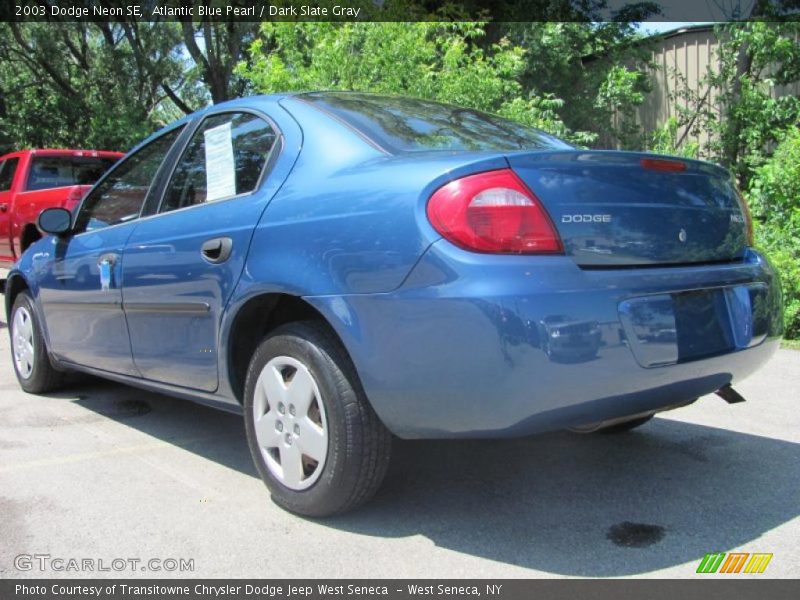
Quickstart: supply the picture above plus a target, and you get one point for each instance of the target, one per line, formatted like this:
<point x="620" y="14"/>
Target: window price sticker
<point x="220" y="168"/>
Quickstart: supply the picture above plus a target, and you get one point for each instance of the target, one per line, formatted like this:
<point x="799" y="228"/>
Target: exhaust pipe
<point x="730" y="395"/>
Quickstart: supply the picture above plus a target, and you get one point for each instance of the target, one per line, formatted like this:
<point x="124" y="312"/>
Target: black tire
<point x="43" y="376"/>
<point x="358" y="445"/>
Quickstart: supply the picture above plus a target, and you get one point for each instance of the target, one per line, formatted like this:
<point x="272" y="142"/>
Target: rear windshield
<point x="60" y="171"/>
<point x="402" y="125"/>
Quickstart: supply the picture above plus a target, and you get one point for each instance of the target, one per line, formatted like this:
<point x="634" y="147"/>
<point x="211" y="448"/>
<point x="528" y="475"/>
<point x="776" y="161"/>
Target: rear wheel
<point x="317" y="443"/>
<point x="31" y="363"/>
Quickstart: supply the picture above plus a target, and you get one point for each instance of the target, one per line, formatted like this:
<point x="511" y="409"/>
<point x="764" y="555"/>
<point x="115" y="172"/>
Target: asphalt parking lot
<point x="105" y="471"/>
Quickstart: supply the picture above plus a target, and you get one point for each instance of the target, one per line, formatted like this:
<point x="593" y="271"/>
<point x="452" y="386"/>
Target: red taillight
<point x="663" y="164"/>
<point x="493" y="212"/>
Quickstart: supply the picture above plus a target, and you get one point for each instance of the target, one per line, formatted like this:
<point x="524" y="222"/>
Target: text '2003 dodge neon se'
<point x="341" y="267"/>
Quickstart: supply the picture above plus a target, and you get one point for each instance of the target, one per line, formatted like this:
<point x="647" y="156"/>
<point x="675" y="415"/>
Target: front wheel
<point x="317" y="443"/>
<point x="31" y="363"/>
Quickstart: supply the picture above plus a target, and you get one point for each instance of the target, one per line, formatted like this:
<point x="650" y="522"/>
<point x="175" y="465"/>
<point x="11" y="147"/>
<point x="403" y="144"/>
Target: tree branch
<point x="689" y="125"/>
<point x="175" y="99"/>
<point x="44" y="65"/>
<point x="77" y="55"/>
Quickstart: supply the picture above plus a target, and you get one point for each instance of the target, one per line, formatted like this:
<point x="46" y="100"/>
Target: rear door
<point x="182" y="263"/>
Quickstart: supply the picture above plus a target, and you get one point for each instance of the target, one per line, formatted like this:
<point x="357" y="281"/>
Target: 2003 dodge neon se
<point x="341" y="267"/>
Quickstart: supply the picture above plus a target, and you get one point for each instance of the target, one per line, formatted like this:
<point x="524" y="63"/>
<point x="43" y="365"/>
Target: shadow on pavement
<point x="562" y="503"/>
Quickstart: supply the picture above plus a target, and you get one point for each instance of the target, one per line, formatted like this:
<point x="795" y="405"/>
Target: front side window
<point x="119" y="198"/>
<point x="224" y="158"/>
<point x="59" y="171"/>
<point x="7" y="170"/>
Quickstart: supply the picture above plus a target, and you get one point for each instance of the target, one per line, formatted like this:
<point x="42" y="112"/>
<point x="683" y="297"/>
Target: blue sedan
<point x="344" y="267"/>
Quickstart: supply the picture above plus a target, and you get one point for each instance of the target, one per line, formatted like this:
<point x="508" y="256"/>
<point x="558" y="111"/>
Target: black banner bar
<point x="711" y="588"/>
<point x="397" y="10"/>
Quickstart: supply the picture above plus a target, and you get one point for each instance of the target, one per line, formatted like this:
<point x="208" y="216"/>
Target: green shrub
<point x="774" y="198"/>
<point x="664" y="140"/>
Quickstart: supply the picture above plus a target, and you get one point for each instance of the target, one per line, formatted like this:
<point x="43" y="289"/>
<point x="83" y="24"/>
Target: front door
<point x="182" y="263"/>
<point x="81" y="283"/>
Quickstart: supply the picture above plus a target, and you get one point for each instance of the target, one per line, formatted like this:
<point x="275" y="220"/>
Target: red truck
<point x="32" y="180"/>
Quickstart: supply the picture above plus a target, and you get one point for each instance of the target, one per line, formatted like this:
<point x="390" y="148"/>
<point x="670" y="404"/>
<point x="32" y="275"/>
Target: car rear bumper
<point x="465" y="347"/>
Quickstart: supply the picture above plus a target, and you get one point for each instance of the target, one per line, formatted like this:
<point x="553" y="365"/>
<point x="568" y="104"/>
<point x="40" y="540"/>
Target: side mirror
<point x="55" y="221"/>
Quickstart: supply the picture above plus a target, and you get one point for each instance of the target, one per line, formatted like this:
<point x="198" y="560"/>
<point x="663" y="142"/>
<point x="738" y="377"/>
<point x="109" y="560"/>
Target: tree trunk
<point x="744" y="63"/>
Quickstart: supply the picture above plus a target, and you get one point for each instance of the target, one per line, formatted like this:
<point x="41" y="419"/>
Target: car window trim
<point x="269" y="164"/>
<point x="119" y="164"/>
<point x="160" y="179"/>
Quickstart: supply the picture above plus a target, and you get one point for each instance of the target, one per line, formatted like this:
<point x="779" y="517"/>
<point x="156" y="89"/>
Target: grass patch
<point x="791" y="344"/>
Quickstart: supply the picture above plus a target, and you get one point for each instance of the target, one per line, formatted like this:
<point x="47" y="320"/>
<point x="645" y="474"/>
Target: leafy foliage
<point x="754" y="58"/>
<point x="72" y="86"/>
<point x="746" y="118"/>
<point x="109" y="84"/>
<point x="450" y="62"/>
<point x="665" y="140"/>
<point x="774" y="198"/>
<point x="598" y="70"/>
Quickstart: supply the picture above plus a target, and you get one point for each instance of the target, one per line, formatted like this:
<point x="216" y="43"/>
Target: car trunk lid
<point x="615" y="209"/>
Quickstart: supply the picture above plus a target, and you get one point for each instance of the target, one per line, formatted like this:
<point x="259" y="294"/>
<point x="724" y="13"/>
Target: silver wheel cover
<point x="22" y="341"/>
<point x="290" y="424"/>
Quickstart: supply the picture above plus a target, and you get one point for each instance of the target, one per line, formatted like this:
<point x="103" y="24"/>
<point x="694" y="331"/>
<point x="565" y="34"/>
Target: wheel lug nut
<point x="297" y="429"/>
<point x="291" y="409"/>
<point x="289" y="439"/>
<point x="281" y="408"/>
<point x="279" y="426"/>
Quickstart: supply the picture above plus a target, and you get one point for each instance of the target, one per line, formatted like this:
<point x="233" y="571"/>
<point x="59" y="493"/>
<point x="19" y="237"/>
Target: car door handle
<point x="3" y="208"/>
<point x="105" y="266"/>
<point x="217" y="250"/>
<point x="109" y="259"/>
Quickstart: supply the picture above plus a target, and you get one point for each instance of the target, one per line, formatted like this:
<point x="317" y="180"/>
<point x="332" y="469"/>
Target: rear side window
<point x="224" y="158"/>
<point x="7" y="170"/>
<point x="401" y="125"/>
<point x="119" y="198"/>
<point x="59" y="171"/>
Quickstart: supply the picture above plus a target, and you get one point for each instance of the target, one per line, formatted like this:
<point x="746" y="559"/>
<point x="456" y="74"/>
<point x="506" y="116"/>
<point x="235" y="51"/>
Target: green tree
<point x="755" y="57"/>
<point x="109" y="84"/>
<point x="747" y="118"/>
<point x="598" y="69"/>
<point x="774" y="197"/>
<point x="80" y="85"/>
<point x="439" y="61"/>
